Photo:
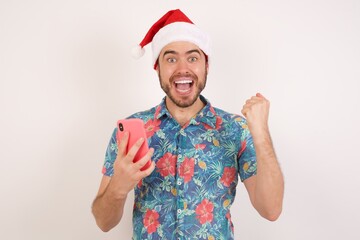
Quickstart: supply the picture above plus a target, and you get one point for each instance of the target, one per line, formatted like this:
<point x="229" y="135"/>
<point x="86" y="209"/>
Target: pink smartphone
<point x="136" y="130"/>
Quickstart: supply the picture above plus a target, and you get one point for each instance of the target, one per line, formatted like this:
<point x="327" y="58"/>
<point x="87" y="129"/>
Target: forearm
<point x="108" y="209"/>
<point x="269" y="187"/>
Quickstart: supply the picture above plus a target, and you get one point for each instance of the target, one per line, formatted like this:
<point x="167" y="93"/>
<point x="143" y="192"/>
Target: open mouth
<point x="183" y="86"/>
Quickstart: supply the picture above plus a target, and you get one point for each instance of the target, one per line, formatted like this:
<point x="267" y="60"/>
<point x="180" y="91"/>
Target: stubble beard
<point x="199" y="86"/>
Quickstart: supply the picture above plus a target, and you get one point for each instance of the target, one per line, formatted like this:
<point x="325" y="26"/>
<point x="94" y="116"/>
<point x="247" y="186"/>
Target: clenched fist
<point x="256" y="112"/>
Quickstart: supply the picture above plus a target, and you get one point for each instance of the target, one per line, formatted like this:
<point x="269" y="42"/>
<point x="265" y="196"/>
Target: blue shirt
<point x="191" y="190"/>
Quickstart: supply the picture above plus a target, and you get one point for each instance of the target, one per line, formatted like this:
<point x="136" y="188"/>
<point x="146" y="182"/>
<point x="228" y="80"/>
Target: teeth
<point x="183" y="81"/>
<point x="183" y="91"/>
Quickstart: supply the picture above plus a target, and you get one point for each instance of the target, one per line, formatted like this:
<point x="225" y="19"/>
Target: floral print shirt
<point x="191" y="190"/>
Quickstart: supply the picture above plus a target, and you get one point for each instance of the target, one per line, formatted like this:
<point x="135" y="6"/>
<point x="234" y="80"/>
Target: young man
<point x="197" y="151"/>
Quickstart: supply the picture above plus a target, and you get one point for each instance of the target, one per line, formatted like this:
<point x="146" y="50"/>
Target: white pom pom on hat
<point x="137" y="51"/>
<point x="173" y="26"/>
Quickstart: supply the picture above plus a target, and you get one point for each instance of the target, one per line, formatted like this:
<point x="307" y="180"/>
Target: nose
<point x="182" y="66"/>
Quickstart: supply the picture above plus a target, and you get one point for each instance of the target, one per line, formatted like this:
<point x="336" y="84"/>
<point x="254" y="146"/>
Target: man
<point x="197" y="150"/>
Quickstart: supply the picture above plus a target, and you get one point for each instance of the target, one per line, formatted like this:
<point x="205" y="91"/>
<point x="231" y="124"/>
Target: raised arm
<point x="266" y="188"/>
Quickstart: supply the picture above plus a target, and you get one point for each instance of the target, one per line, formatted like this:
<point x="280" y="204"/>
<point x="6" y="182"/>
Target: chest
<point x="194" y="157"/>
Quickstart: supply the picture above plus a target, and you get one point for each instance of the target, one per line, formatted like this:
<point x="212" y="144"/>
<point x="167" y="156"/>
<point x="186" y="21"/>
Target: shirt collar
<point x="206" y="115"/>
<point x="161" y="110"/>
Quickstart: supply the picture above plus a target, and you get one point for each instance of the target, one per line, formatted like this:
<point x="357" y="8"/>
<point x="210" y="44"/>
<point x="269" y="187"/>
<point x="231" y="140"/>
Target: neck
<point x="183" y="115"/>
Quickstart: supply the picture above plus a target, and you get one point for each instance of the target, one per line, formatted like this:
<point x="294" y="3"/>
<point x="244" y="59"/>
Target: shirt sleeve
<point x="110" y="155"/>
<point x="246" y="156"/>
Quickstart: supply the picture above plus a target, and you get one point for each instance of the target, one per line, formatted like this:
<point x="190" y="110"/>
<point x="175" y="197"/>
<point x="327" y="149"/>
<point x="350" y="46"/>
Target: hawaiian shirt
<point x="191" y="190"/>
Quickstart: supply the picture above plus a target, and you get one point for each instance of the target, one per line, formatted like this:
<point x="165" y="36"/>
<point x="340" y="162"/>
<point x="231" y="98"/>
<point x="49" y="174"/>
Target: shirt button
<point x="179" y="211"/>
<point x="178" y="182"/>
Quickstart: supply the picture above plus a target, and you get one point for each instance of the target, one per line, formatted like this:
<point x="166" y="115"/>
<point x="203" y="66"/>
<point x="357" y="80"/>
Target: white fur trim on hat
<point x="179" y="31"/>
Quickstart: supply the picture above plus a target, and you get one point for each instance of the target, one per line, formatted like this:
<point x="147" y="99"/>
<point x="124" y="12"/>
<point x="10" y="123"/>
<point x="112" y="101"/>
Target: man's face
<point x="182" y="70"/>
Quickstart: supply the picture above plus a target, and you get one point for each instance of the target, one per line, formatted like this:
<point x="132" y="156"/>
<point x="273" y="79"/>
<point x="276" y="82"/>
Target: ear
<point x="156" y="66"/>
<point x="157" y="69"/>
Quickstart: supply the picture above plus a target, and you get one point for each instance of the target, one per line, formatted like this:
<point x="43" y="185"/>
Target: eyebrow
<point x="187" y="53"/>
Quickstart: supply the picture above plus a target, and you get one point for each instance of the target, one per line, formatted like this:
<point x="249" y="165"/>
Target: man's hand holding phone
<point x="133" y="162"/>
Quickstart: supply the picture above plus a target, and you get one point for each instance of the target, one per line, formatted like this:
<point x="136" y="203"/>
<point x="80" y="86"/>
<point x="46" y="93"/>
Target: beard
<point x="181" y="102"/>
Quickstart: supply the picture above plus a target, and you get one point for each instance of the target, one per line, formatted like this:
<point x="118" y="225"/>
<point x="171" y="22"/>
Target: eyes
<point x="191" y="59"/>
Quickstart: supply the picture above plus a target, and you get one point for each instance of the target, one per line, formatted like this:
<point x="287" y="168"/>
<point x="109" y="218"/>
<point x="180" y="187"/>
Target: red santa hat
<point x="173" y="26"/>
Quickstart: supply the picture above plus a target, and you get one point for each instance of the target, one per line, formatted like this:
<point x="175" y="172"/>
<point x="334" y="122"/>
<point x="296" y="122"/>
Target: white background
<point x="67" y="75"/>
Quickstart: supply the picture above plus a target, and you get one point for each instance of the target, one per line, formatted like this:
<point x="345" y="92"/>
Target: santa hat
<point x="173" y="26"/>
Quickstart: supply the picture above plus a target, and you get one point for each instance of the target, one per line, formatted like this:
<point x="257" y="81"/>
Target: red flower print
<point x="217" y="124"/>
<point x="243" y="146"/>
<point x="200" y="146"/>
<point x="150" y="221"/>
<point x="228" y="176"/>
<point x="151" y="127"/>
<point x="166" y="165"/>
<point x="204" y="211"/>
<point x="187" y="169"/>
<point x="212" y="110"/>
